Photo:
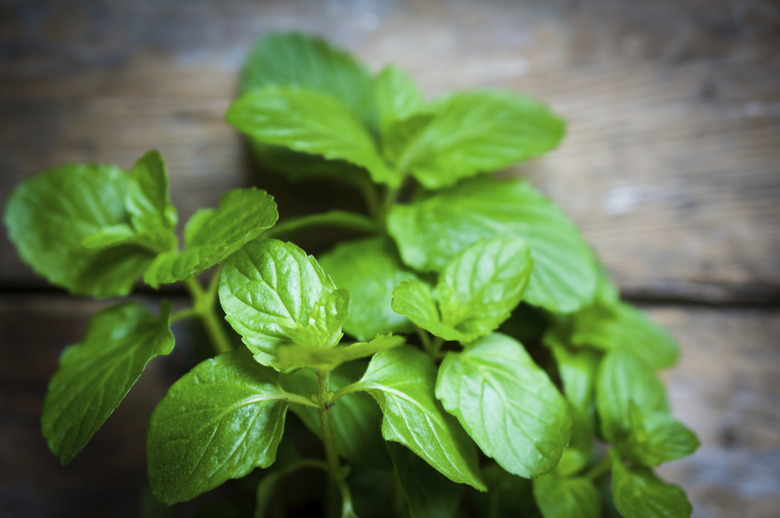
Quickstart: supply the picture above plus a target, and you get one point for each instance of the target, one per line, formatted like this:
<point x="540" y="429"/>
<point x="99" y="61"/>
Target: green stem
<point x="184" y="313"/>
<point x="203" y="306"/>
<point x="331" y="456"/>
<point x="425" y="340"/>
<point x="297" y="398"/>
<point x="600" y="469"/>
<point x="333" y="218"/>
<point x="323" y="398"/>
<point x="343" y="391"/>
<point x="436" y="348"/>
<point x="372" y="200"/>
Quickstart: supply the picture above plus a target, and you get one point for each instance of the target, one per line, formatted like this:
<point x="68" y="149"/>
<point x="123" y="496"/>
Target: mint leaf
<point x="638" y="493"/>
<point x="577" y="369"/>
<point x="579" y="451"/>
<point x="477" y="132"/>
<point x="624" y="327"/>
<point x="398" y="135"/>
<point x="397" y="95"/>
<point x="621" y="380"/>
<point x="402" y="382"/>
<point x="49" y="215"/>
<point x="431" y="232"/>
<point x="219" y="421"/>
<point x="156" y="240"/>
<point x="312" y="122"/>
<point x="297" y="356"/>
<point x="147" y="197"/>
<point x="370" y="270"/>
<point x="415" y="299"/>
<point x="355" y="417"/>
<point x="324" y="326"/>
<point x="566" y="497"/>
<point x="95" y="375"/>
<point x="212" y="235"/>
<point x="294" y="59"/>
<point x="428" y="493"/>
<point x="506" y="403"/>
<point x="655" y="438"/>
<point x="483" y="283"/>
<point x="274" y="294"/>
<point x="476" y="292"/>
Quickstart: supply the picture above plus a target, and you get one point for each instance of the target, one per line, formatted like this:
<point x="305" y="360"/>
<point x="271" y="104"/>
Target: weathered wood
<point x="670" y="166"/>
<point x="724" y="388"/>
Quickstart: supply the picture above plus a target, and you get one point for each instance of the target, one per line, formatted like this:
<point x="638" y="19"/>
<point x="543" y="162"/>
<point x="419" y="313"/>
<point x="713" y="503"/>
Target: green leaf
<point x="577" y="369"/>
<point x="507" y="404"/>
<point x="476" y="292"/>
<point x="402" y="382"/>
<point x="219" y="421"/>
<point x="623" y="327"/>
<point x="297" y="356"/>
<point x="566" y="497"/>
<point x="154" y="239"/>
<point x="213" y="235"/>
<point x="397" y="95"/>
<point x="95" y="375"/>
<point x="294" y="59"/>
<point x="49" y="215"/>
<point x="370" y="270"/>
<point x="638" y="493"/>
<point x="399" y="134"/>
<point x="147" y="197"/>
<point x="354" y="417"/>
<point x="483" y="283"/>
<point x="431" y="232"/>
<point x="312" y="122"/>
<point x="427" y="492"/>
<point x="323" y="328"/>
<point x="580" y="449"/>
<point x="655" y="438"/>
<point x="477" y="132"/>
<point x="415" y="299"/>
<point x="621" y="380"/>
<point x="274" y="294"/>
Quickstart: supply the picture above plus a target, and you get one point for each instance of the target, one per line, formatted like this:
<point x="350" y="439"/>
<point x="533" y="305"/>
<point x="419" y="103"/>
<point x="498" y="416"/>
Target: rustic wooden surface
<point x="671" y="167"/>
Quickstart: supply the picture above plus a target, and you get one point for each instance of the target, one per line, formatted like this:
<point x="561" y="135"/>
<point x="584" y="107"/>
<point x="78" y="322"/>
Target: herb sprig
<point x="482" y="336"/>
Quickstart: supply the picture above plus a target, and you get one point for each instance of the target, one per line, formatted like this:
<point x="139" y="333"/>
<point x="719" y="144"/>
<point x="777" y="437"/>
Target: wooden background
<point x="671" y="168"/>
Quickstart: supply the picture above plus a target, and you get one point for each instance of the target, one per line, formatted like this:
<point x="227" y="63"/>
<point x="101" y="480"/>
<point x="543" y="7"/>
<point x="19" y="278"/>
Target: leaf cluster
<point x="469" y="339"/>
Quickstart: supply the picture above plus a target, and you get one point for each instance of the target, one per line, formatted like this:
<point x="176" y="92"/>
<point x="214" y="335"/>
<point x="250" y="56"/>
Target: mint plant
<point x="467" y="351"/>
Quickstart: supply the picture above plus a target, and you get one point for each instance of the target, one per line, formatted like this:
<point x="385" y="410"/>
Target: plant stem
<point x="333" y="218"/>
<point x="425" y="339"/>
<point x="184" y="313"/>
<point x="343" y="391"/>
<point x="203" y="307"/>
<point x="436" y="353"/>
<point x="328" y="441"/>
<point x="372" y="200"/>
<point x="600" y="469"/>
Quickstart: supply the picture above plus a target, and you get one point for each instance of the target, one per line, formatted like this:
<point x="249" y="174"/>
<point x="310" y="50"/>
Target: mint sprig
<point x="471" y="316"/>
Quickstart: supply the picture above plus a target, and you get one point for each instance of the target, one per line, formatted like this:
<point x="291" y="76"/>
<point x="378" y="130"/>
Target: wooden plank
<point x="670" y="166"/>
<point x="724" y="388"/>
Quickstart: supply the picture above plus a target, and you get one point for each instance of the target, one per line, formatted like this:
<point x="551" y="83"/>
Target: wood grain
<point x="670" y="166"/>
